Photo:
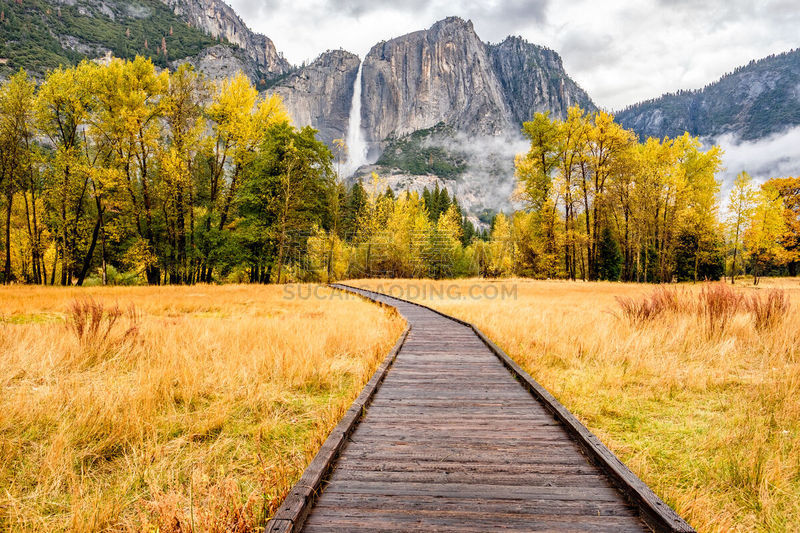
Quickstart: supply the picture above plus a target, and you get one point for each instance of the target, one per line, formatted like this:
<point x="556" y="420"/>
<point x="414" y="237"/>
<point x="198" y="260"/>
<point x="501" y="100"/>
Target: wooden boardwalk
<point x="452" y="442"/>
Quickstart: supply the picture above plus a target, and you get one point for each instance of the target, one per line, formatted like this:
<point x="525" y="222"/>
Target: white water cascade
<point x="356" y="144"/>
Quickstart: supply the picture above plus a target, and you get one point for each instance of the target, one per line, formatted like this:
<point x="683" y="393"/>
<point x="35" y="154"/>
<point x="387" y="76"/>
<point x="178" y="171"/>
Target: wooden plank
<point x="518" y="478"/>
<point x="475" y="490"/>
<point x="412" y="520"/>
<point x="478" y="467"/>
<point x="530" y="506"/>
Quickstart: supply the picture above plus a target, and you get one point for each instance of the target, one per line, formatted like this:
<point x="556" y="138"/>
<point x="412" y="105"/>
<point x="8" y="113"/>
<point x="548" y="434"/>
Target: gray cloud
<point x="358" y="8"/>
<point x="771" y="157"/>
<point x="590" y="49"/>
<point x="512" y="11"/>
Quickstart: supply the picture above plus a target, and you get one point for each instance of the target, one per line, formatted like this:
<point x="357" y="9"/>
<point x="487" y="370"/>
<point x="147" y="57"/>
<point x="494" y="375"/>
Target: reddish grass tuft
<point x="718" y="304"/>
<point x="769" y="309"/>
<point x="661" y="300"/>
<point x="94" y="324"/>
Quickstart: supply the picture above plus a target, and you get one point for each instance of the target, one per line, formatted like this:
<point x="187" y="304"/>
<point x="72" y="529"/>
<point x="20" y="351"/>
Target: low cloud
<point x="771" y="157"/>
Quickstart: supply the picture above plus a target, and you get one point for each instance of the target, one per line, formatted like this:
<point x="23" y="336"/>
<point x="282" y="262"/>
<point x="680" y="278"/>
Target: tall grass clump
<point x="100" y="328"/>
<point x="661" y="300"/>
<point x="718" y="303"/>
<point x="770" y="309"/>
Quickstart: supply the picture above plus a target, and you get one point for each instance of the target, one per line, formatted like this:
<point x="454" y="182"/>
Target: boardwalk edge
<point x="653" y="510"/>
<point x="295" y="508"/>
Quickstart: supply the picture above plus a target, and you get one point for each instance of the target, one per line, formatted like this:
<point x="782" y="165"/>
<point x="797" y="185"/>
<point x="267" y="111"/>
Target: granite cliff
<point x="444" y="75"/>
<point x="320" y="94"/>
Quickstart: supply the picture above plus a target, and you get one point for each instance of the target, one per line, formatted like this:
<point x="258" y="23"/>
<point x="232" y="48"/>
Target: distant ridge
<point x="752" y="102"/>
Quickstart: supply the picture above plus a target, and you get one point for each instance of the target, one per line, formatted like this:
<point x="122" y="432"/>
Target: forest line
<point x="121" y="173"/>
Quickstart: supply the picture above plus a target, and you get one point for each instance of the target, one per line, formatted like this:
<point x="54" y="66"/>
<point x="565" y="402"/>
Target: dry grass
<point x="710" y="421"/>
<point x="171" y="409"/>
<point x="716" y="305"/>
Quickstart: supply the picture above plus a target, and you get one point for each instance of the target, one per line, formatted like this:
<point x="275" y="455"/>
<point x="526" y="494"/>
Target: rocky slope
<point x="218" y="19"/>
<point x="39" y="35"/>
<point x="533" y="80"/>
<point x="223" y="61"/>
<point x="752" y="102"/>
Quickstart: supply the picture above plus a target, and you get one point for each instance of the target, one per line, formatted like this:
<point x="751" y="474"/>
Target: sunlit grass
<point x="198" y="412"/>
<point x="710" y="422"/>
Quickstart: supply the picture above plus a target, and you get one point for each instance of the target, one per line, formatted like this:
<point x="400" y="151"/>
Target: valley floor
<point x="709" y="419"/>
<point x="184" y="409"/>
<point x="197" y="408"/>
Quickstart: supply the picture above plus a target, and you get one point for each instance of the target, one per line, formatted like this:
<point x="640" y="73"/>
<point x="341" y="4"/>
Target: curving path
<point x="451" y="441"/>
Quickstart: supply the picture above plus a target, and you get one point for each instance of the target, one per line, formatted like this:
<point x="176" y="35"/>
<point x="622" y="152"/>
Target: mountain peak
<point x="454" y="23"/>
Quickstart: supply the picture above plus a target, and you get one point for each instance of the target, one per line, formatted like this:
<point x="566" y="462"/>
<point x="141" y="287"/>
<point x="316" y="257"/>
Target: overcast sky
<point x="620" y="51"/>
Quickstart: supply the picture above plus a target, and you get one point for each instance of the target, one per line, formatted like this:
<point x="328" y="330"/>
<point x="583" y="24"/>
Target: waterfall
<point x="356" y="144"/>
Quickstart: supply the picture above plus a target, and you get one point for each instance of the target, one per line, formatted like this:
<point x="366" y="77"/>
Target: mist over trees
<point x="123" y="174"/>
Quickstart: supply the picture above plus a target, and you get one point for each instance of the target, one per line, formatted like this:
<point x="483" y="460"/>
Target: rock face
<point x="443" y="74"/>
<point x="444" y="79"/>
<point x="221" y="62"/>
<point x="468" y="99"/>
<point x="752" y="102"/>
<point x="320" y="94"/>
<point x="447" y="74"/>
<point x="220" y="20"/>
<point x="534" y="81"/>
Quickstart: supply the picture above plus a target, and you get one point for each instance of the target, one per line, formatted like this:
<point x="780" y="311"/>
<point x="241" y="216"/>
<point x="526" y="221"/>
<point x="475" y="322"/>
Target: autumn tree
<point x="285" y="192"/>
<point x="764" y="230"/>
<point x="17" y="168"/>
<point x="789" y="191"/>
<point x="534" y="169"/>
<point x="63" y="106"/>
<point x="572" y="149"/>
<point x="534" y="172"/>
<point x="607" y="142"/>
<point x="128" y="120"/>
<point x="741" y="204"/>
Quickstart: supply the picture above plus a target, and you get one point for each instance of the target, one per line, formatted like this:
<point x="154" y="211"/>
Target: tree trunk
<point x="55" y="264"/>
<point x="34" y="261"/>
<point x="103" y="246"/>
<point x="735" y="249"/>
<point x="9" y="201"/>
<point x="87" y="261"/>
<point x="153" y="275"/>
